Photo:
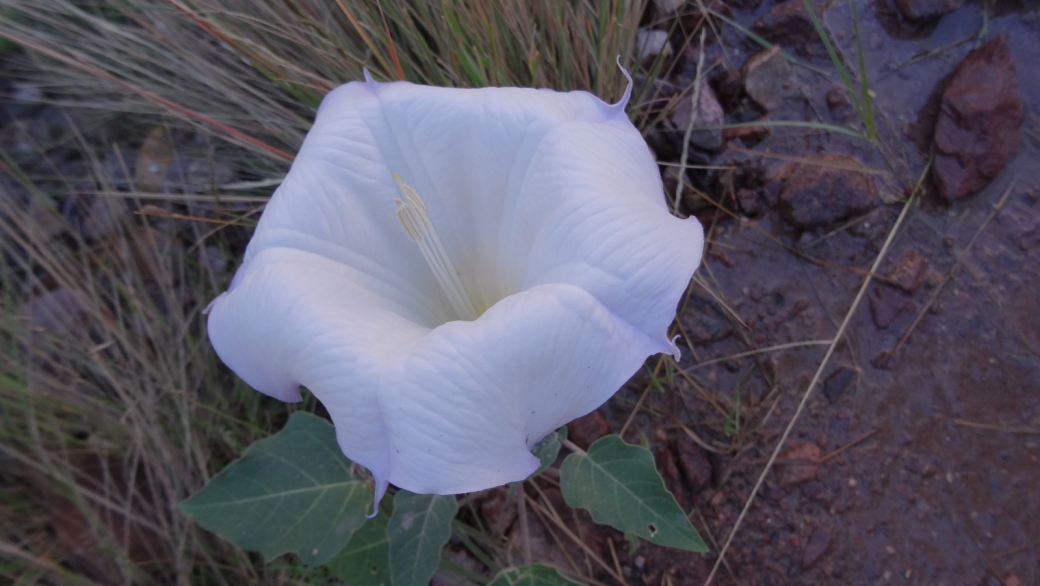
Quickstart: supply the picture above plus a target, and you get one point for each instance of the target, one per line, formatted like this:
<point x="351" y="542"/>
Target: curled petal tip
<point x="368" y="78"/>
<point x="619" y="107"/>
<point x="381" y="486"/>
<point x="676" y="353"/>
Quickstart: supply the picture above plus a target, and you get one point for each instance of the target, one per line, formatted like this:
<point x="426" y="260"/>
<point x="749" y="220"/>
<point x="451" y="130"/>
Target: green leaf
<point x="366" y="559"/>
<point x="532" y="575"/>
<point x="547" y="449"/>
<point x="291" y="492"/>
<point x="620" y="486"/>
<point x="418" y="529"/>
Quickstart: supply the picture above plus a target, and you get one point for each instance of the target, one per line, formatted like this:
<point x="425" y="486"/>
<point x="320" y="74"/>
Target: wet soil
<point x="917" y="458"/>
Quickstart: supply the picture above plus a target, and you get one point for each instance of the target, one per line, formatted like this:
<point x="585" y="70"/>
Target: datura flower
<point x="455" y="273"/>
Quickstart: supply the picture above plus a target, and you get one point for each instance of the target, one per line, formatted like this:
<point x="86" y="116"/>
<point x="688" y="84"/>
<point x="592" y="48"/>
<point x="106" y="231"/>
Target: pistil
<point x="412" y="214"/>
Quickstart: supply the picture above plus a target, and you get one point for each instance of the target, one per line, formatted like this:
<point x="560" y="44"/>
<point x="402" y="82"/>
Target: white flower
<point x="455" y="273"/>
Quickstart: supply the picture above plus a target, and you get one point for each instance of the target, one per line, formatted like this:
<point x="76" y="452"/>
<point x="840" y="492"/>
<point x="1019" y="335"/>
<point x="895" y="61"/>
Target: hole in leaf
<point x="653" y="529"/>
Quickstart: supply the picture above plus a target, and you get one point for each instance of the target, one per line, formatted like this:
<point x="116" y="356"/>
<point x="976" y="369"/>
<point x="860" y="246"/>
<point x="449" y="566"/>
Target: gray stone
<point x="765" y="74"/>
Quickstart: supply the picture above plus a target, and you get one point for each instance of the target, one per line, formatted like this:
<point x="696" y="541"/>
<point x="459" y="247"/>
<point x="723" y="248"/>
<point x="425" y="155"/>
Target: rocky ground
<point x="917" y="459"/>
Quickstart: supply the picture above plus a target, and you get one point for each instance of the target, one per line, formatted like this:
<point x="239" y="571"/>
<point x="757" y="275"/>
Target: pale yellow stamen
<point x="412" y="214"/>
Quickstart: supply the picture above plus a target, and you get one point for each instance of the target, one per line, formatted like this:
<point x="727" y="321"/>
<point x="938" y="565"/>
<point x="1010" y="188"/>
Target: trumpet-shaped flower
<point x="455" y="273"/>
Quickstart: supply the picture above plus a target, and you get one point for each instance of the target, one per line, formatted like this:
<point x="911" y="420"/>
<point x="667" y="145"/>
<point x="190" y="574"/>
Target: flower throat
<point x="412" y="214"/>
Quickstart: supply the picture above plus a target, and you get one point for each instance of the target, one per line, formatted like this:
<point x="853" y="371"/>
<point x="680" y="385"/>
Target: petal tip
<point x="380" y="491"/>
<point x="676" y="353"/>
<point x="619" y="107"/>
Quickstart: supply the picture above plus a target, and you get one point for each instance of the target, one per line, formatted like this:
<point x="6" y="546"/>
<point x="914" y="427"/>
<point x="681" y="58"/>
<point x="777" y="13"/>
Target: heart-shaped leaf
<point x="291" y="492"/>
<point x="532" y="575"/>
<point x="619" y="485"/>
<point x="418" y="529"/>
<point x="366" y="559"/>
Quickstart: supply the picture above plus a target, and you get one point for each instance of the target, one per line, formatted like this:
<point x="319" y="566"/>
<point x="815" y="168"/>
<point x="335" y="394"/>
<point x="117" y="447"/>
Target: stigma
<point x="411" y="212"/>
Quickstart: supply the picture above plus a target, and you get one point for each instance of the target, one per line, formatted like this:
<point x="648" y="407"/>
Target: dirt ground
<point x="917" y="458"/>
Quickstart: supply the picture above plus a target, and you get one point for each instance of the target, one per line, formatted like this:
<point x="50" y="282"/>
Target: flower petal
<point x="465" y="404"/>
<point x="296" y="318"/>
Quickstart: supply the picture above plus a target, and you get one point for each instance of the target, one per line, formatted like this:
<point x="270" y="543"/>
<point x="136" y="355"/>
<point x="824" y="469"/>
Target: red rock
<point x="799" y="463"/>
<point x="817" y="195"/>
<point x="926" y="9"/>
<point x="977" y="130"/>
<point x="908" y="271"/>
<point x="839" y="104"/>
<point x="749" y="135"/>
<point x="727" y="85"/>
<point x="818" y="545"/>
<point x="669" y="471"/>
<point x="788" y="24"/>
<point x="585" y="430"/>
<point x="694" y="464"/>
<point x="886" y="305"/>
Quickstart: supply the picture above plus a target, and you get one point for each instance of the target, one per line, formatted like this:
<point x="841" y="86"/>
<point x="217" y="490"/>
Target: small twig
<point x="573" y="447"/>
<point x="953" y="270"/>
<point x="525" y="533"/>
<point x="689" y="127"/>
<point x="697" y="440"/>
<point x="642" y="398"/>
<point x="617" y="563"/>
<point x="758" y="351"/>
<point x="808" y="391"/>
<point x="551" y="514"/>
<point x="994" y="427"/>
<point x="848" y="445"/>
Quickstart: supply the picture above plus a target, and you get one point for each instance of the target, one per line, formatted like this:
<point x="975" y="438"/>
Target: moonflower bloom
<point x="455" y="273"/>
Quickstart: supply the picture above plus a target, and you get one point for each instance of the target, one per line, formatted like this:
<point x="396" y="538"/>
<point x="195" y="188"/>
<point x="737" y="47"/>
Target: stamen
<point x="412" y="214"/>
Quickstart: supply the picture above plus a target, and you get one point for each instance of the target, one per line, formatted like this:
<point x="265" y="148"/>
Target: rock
<point x="669" y="471"/>
<point x="788" y="24"/>
<point x="744" y="4"/>
<point x="709" y="113"/>
<point x="977" y="130"/>
<point x="585" y="430"/>
<point x="818" y="545"/>
<point x="727" y="85"/>
<point x="650" y="42"/>
<point x="104" y="215"/>
<point x="926" y="9"/>
<point x="23" y="101"/>
<point x="704" y="322"/>
<point x="817" y="195"/>
<point x="908" y="271"/>
<point x="765" y="74"/>
<point x="886" y="305"/>
<point x="61" y="312"/>
<point x="153" y="160"/>
<point x="666" y="7"/>
<point x="119" y="166"/>
<point x="839" y="104"/>
<point x="749" y="201"/>
<point x="693" y="463"/>
<point x="799" y="463"/>
<point x="836" y="383"/>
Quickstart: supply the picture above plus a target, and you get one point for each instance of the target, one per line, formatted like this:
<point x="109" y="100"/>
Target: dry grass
<point x="113" y="407"/>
